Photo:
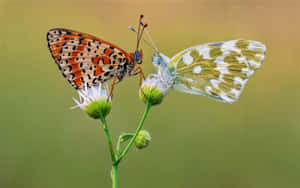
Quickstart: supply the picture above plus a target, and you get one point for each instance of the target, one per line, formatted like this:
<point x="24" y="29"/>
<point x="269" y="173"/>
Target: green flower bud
<point x="153" y="89"/>
<point x="143" y="139"/>
<point x="151" y="94"/>
<point x="98" y="109"/>
<point x="94" y="101"/>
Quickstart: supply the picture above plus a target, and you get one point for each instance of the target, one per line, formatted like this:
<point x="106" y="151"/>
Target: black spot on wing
<point x="106" y="73"/>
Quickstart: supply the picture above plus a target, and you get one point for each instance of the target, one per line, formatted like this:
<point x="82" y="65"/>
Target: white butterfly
<point x="217" y="70"/>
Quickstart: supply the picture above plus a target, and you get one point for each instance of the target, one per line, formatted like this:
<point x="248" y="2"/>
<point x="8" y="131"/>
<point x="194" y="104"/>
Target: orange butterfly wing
<point x="85" y="59"/>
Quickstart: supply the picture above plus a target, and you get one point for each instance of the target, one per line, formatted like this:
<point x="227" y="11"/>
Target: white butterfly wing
<point x="217" y="70"/>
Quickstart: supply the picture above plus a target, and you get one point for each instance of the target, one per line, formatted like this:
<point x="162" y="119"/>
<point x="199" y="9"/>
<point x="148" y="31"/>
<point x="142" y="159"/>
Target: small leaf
<point x="125" y="136"/>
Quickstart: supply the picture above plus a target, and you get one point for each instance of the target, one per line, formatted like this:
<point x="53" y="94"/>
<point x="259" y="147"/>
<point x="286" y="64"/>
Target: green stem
<point x="115" y="176"/>
<point x="118" y="147"/>
<point x="110" y="145"/>
<point x="148" y="105"/>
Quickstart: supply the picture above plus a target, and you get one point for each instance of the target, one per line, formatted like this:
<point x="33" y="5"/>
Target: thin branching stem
<point x="115" y="176"/>
<point x="125" y="151"/>
<point x="122" y="138"/>
<point x="110" y="145"/>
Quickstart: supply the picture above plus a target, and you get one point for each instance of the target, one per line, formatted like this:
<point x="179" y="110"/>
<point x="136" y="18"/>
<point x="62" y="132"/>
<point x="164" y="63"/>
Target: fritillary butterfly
<point x="85" y="60"/>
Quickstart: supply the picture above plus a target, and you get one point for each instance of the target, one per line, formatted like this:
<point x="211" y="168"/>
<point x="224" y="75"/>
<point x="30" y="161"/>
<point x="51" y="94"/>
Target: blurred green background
<point x="197" y="142"/>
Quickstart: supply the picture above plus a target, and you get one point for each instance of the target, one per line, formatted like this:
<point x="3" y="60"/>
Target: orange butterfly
<point x="87" y="60"/>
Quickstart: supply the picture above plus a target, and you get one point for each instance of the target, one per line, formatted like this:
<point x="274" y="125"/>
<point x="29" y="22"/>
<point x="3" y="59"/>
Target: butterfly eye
<point x="156" y="60"/>
<point x="137" y="56"/>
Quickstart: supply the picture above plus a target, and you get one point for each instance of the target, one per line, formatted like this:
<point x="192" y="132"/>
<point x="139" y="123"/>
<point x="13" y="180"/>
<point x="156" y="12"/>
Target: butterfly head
<point x="156" y="59"/>
<point x="159" y="59"/>
<point x="137" y="57"/>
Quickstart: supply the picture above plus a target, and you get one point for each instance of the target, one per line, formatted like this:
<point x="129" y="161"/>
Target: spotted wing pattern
<point x="84" y="59"/>
<point x="217" y="70"/>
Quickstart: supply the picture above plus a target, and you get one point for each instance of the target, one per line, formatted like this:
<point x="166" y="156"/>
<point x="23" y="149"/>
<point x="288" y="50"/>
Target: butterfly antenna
<point x="148" y="34"/>
<point x="138" y="33"/>
<point x="141" y="34"/>
<point x="132" y="29"/>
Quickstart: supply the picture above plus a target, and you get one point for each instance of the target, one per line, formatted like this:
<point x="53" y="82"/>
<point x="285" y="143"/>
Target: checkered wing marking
<point x="83" y="58"/>
<point x="218" y="70"/>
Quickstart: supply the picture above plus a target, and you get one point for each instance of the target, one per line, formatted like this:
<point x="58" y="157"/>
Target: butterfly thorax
<point x="130" y="68"/>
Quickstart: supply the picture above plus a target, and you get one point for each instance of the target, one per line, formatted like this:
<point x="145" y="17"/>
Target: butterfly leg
<point x="139" y="70"/>
<point x="112" y="86"/>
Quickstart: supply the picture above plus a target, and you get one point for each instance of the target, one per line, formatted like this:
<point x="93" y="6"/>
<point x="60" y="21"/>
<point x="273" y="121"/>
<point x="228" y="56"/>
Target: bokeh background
<point x="197" y="142"/>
